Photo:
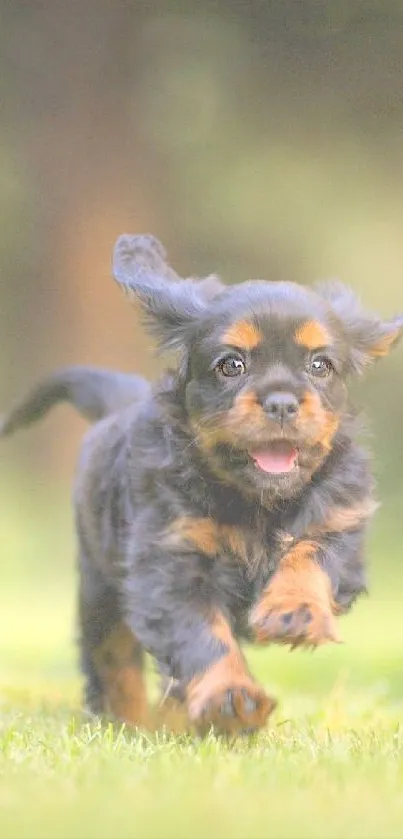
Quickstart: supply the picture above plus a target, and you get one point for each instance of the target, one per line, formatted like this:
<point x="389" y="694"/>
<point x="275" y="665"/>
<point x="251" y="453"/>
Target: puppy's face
<point x="266" y="385"/>
<point x="264" y="364"/>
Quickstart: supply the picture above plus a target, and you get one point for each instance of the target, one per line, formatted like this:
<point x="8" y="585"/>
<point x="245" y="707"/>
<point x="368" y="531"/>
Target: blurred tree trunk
<point x="85" y="164"/>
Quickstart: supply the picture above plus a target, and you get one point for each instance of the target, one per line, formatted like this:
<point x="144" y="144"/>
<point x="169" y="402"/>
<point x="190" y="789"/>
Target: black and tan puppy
<point x="230" y="501"/>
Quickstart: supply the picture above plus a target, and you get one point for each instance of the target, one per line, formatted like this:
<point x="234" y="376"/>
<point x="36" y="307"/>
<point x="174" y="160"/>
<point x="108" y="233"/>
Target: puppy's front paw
<point x="287" y="621"/>
<point x="297" y="606"/>
<point x="234" y="706"/>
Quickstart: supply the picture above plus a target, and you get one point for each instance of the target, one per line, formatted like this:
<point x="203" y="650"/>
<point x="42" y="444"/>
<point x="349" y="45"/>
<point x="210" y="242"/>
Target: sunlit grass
<point x="312" y="774"/>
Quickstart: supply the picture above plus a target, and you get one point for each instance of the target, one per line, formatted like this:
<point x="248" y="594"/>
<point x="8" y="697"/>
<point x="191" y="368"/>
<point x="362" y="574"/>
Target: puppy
<point x="228" y="502"/>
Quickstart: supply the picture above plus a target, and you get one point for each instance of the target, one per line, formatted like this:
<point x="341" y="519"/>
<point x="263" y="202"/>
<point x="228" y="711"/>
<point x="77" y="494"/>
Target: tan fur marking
<point x="384" y="345"/>
<point x="246" y="409"/>
<point x="122" y="676"/>
<point x="311" y="407"/>
<point x="329" y="430"/>
<point x="312" y="335"/>
<point x="312" y="411"/>
<point x="201" y="533"/>
<point x="208" y="536"/>
<point x="300" y="559"/>
<point x="222" y="630"/>
<point x="207" y="692"/>
<point x="234" y="538"/>
<point x="298" y="587"/>
<point x="244" y="335"/>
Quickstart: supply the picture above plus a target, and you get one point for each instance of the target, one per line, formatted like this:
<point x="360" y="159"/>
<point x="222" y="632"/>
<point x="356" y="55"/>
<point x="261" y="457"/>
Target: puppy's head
<point x="264" y="364"/>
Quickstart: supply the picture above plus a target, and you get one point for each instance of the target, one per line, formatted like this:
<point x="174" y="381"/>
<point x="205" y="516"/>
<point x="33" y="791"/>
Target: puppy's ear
<point x="171" y="306"/>
<point x="367" y="335"/>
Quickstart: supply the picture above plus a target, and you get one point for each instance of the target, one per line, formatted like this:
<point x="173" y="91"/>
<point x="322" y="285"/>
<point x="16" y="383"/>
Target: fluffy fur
<point x="228" y="502"/>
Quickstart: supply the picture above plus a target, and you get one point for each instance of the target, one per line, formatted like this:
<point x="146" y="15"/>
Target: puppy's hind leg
<point x="111" y="657"/>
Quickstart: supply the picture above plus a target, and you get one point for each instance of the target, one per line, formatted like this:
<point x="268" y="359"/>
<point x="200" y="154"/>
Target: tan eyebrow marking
<point x="243" y="334"/>
<point x="312" y="335"/>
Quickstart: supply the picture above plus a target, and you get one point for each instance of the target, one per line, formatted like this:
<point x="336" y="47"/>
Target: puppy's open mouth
<point x="277" y="458"/>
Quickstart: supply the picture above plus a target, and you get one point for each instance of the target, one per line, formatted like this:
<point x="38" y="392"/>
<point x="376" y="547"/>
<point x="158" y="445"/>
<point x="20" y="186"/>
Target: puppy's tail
<point x="94" y="393"/>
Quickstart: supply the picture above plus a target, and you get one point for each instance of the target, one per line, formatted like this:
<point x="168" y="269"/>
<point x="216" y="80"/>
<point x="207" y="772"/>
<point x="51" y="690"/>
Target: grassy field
<point x="330" y="764"/>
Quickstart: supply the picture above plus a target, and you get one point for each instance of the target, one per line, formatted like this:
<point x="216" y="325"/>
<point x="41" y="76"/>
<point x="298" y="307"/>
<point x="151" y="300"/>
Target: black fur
<point x="94" y="393"/>
<point x="185" y="452"/>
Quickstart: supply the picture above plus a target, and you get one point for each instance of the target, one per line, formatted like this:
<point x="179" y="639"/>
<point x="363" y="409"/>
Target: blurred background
<point x="260" y="139"/>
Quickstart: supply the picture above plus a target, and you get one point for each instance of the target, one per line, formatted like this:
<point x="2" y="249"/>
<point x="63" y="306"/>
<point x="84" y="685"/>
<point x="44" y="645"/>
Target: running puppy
<point x="229" y="502"/>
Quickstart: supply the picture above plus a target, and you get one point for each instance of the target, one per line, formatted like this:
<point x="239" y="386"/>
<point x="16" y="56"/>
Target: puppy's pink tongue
<point x="279" y="457"/>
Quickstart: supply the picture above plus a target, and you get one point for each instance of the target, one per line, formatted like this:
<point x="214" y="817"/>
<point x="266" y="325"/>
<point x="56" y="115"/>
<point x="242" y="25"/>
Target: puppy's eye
<point x="231" y="366"/>
<point x="320" y="366"/>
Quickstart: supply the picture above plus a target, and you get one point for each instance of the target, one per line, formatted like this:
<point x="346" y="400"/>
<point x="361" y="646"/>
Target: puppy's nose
<point x="281" y="407"/>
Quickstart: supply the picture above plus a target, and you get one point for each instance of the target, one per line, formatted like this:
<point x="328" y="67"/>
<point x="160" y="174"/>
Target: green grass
<point x="330" y="763"/>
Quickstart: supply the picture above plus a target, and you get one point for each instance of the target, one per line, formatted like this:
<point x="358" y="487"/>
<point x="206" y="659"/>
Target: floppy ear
<point x="171" y="305"/>
<point x="368" y="336"/>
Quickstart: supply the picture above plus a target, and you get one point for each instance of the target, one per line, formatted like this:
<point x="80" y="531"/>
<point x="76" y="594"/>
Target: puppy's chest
<point x="241" y="556"/>
<point x="241" y="544"/>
